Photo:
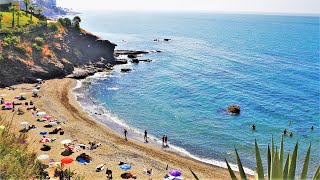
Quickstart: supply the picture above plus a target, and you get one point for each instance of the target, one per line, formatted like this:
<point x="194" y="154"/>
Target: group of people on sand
<point x="253" y="127"/>
<point x="145" y="138"/>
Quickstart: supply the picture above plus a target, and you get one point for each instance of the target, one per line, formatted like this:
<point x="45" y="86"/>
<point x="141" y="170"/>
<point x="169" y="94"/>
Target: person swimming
<point x="253" y="127"/>
<point x="311" y="128"/>
<point x="291" y="134"/>
<point x="285" y="131"/>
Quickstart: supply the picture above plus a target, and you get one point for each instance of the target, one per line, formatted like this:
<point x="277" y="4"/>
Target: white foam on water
<point x="112" y="88"/>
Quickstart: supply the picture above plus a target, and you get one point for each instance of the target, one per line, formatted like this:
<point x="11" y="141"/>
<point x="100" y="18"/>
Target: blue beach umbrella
<point x="125" y="167"/>
<point x="43" y="133"/>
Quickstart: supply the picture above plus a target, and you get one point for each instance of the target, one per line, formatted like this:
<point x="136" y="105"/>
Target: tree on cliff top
<point x="31" y="8"/>
<point x="76" y="22"/>
<point x="1" y="17"/>
<point x="39" y="10"/>
<point x="26" y="3"/>
<point x="19" y="14"/>
<point x="13" y="9"/>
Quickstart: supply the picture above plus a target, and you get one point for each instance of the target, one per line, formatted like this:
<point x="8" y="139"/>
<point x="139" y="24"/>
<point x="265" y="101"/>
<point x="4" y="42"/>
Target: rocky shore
<point x="66" y="53"/>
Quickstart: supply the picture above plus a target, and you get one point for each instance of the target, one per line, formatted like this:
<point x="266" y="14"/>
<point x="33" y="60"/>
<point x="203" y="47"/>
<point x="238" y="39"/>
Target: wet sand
<point x="58" y="100"/>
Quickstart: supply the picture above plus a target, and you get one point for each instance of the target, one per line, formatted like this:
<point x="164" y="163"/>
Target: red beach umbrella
<point x="66" y="160"/>
<point x="44" y="140"/>
<point x="47" y="117"/>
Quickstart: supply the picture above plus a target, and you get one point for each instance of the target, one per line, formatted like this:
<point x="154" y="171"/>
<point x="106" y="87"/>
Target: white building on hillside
<point x="7" y="3"/>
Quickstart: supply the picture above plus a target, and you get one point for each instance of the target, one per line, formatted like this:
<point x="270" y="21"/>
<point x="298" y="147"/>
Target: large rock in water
<point x="234" y="109"/>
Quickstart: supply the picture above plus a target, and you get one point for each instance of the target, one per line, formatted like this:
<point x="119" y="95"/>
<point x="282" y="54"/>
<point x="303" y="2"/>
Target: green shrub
<point x="10" y="40"/>
<point x="16" y="161"/>
<point x="39" y="41"/>
<point x="53" y="26"/>
<point x="36" y="47"/>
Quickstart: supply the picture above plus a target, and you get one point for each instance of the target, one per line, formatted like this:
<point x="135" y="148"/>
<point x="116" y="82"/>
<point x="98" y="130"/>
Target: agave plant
<point x="276" y="168"/>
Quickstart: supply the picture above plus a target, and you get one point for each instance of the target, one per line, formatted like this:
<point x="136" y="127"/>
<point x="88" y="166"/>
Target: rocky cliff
<point x="50" y="52"/>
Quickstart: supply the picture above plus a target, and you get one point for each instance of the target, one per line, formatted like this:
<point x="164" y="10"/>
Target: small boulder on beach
<point x="234" y="109"/>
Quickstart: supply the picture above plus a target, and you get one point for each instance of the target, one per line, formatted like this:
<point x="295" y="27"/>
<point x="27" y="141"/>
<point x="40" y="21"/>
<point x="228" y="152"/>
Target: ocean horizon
<point x="266" y="64"/>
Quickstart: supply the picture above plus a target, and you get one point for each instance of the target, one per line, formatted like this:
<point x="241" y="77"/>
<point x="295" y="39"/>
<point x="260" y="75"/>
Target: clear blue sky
<point x="262" y="6"/>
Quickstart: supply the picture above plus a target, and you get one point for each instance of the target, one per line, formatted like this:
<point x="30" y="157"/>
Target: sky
<point x="260" y="6"/>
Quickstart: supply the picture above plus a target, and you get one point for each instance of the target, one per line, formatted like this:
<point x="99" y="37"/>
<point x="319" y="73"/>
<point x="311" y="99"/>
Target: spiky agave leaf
<point x="241" y="171"/>
<point x="259" y="162"/>
<point x="281" y="152"/>
<point x="316" y="175"/>
<point x="276" y="170"/>
<point x="293" y="163"/>
<point x="272" y="147"/>
<point x="306" y="164"/>
<point x="233" y="176"/>
<point x="286" y="168"/>
<point x="269" y="161"/>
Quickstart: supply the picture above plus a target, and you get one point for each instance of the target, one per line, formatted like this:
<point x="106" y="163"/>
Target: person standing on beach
<point x="166" y="140"/>
<point x="145" y="136"/>
<point x="125" y="134"/>
<point x="163" y="138"/>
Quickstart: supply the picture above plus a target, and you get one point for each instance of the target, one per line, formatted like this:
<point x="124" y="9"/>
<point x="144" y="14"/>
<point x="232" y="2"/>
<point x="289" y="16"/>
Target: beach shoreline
<point x="106" y="118"/>
<point x="58" y="100"/>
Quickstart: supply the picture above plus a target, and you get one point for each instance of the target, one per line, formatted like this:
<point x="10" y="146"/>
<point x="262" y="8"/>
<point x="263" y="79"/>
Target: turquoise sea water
<point x="269" y="65"/>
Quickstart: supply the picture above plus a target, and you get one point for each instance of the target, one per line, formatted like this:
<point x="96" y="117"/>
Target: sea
<point x="267" y="64"/>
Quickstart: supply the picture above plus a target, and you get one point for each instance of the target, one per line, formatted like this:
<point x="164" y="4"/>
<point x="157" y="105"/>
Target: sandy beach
<point x="56" y="99"/>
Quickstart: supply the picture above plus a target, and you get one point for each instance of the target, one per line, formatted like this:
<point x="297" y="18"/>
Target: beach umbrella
<point x="66" y="160"/>
<point x="43" y="156"/>
<point x="175" y="173"/>
<point x="47" y="117"/>
<point x="66" y="141"/>
<point x="41" y="113"/>
<point x="8" y="103"/>
<point x="35" y="91"/>
<point x="53" y="123"/>
<point x="43" y="133"/>
<point x="174" y="178"/>
<point x="44" y="140"/>
<point x="39" y="79"/>
<point x="25" y="124"/>
<point x="125" y="167"/>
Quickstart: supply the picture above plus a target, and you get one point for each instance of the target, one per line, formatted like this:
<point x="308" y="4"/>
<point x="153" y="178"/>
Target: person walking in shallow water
<point x="125" y="134"/>
<point x="145" y="136"/>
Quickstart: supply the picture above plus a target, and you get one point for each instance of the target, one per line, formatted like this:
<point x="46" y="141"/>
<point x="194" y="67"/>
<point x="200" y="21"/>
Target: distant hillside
<point x="49" y="7"/>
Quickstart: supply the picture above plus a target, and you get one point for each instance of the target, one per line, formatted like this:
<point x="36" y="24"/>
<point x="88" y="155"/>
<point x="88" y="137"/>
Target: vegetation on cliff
<point x="48" y="50"/>
<point x="16" y="161"/>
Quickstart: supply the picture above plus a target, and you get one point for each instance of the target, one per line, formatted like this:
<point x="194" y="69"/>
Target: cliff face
<point x="47" y="54"/>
